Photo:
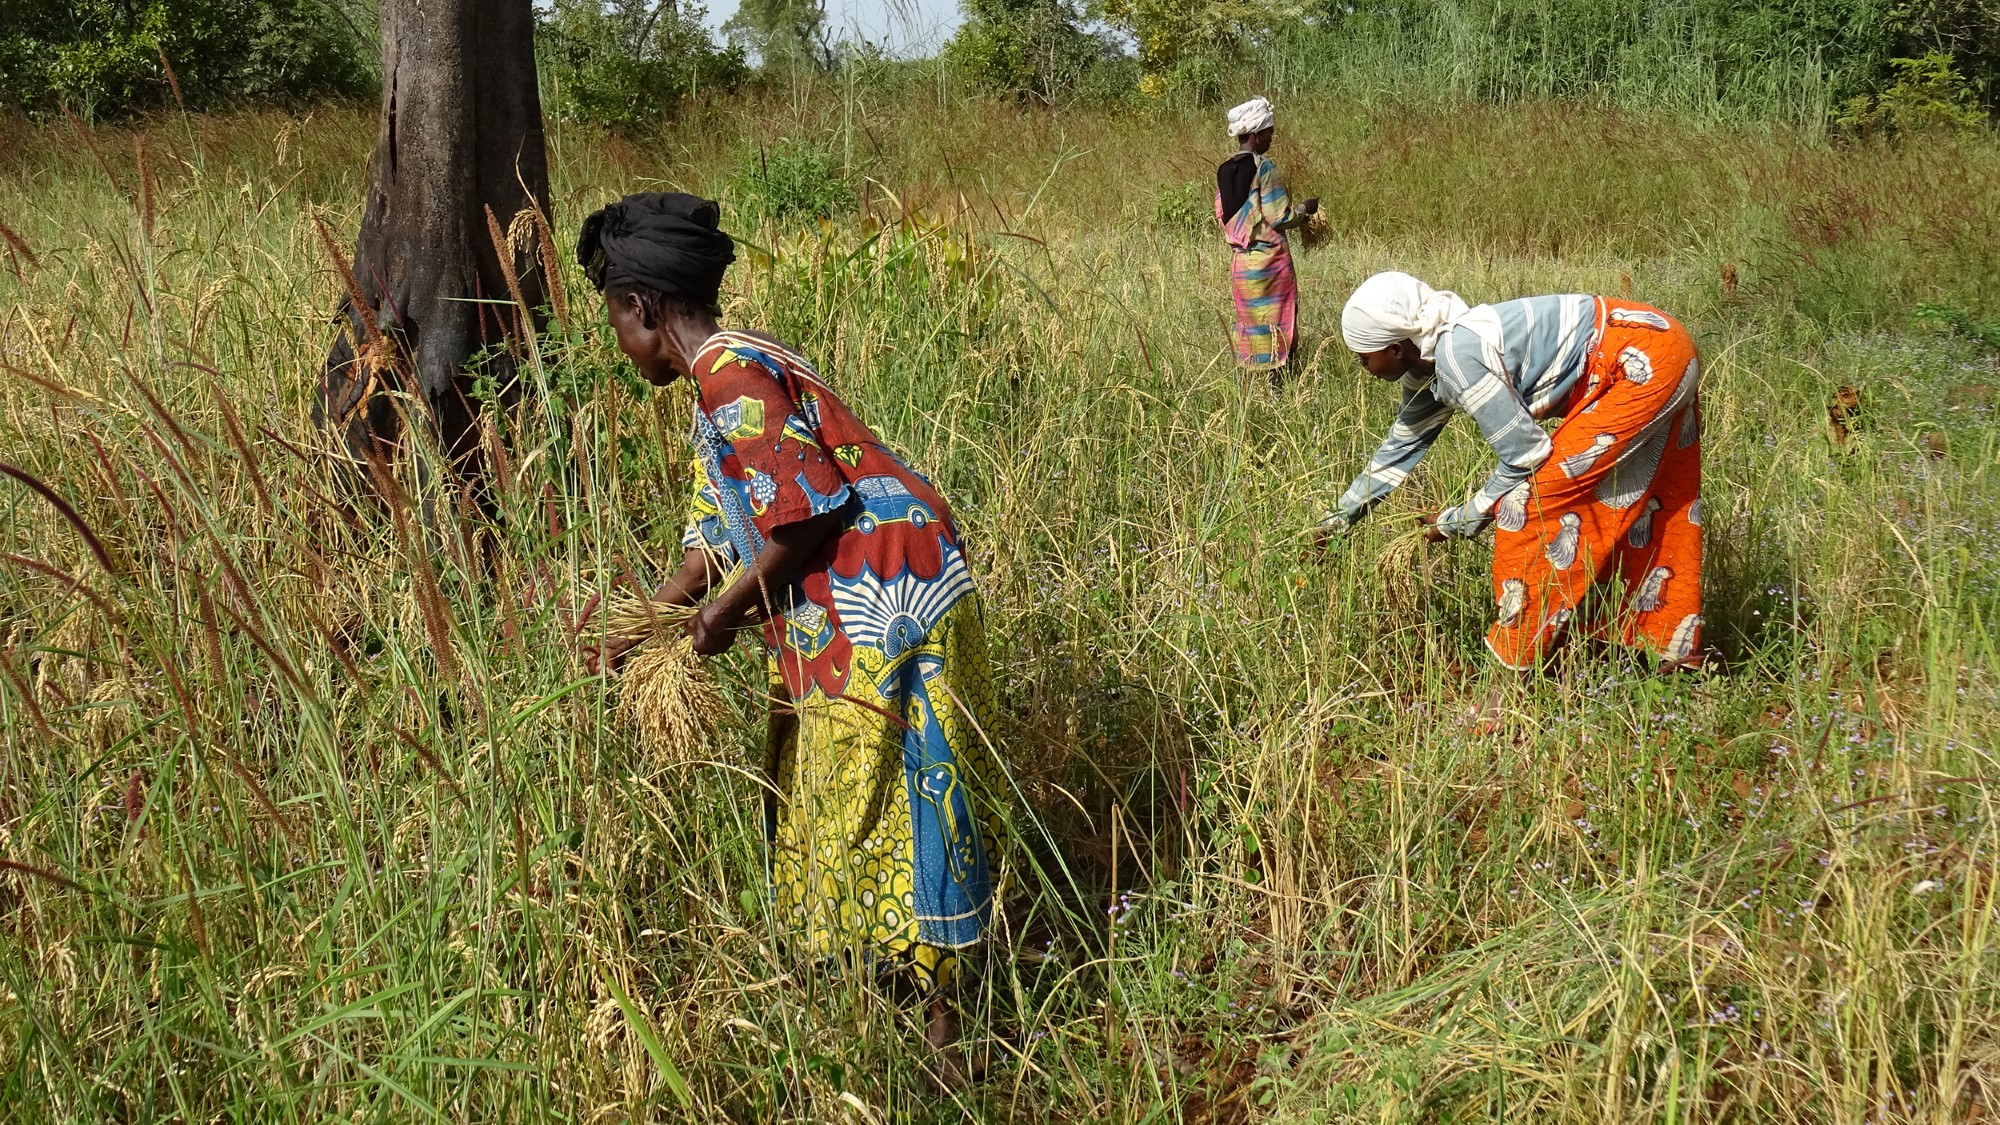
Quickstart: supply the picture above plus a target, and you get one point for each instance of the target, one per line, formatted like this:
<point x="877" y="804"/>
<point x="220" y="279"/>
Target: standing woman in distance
<point x="1613" y="495"/>
<point x="1255" y="212"/>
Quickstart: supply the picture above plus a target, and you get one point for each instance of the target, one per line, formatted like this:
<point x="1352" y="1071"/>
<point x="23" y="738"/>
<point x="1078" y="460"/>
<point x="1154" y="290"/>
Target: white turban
<point x="1253" y="116"/>
<point x="1391" y="307"/>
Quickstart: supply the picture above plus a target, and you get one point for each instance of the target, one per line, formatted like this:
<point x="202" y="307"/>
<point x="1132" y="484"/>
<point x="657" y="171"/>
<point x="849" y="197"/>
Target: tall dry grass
<point x="309" y="812"/>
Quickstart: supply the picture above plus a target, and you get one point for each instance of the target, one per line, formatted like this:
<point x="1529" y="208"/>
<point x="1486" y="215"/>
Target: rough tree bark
<point x="460" y="133"/>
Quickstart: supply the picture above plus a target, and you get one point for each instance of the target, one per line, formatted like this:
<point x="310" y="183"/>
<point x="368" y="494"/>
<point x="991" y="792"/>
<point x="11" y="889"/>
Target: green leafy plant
<point x="790" y="180"/>
<point x="1184" y="208"/>
<point x="1928" y="95"/>
<point x="1957" y="320"/>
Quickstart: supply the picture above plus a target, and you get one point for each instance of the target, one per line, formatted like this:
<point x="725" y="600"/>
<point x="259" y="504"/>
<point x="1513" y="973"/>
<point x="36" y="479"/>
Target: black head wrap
<point x="667" y="241"/>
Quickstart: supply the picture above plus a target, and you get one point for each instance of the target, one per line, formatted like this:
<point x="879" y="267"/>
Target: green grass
<point x="311" y="816"/>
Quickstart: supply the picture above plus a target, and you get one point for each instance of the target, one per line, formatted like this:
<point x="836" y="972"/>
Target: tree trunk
<point x="461" y="133"/>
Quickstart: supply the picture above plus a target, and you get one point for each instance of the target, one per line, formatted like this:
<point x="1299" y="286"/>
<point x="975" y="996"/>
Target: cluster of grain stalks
<point x="665" y="693"/>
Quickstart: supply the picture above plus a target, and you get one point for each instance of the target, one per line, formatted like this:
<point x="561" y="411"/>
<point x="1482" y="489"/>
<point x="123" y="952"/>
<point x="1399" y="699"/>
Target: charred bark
<point x="460" y="134"/>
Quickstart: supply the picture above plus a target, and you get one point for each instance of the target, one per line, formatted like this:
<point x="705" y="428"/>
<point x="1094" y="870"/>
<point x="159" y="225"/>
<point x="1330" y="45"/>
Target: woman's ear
<point x="636" y="310"/>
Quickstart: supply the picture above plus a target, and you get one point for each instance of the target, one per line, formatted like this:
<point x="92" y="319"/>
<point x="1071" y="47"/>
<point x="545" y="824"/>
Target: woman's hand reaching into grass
<point x="1432" y="533"/>
<point x="688" y="585"/>
<point x="1329" y="531"/>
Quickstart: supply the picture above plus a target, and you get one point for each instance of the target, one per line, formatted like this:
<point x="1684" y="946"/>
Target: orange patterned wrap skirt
<point x="1619" y="499"/>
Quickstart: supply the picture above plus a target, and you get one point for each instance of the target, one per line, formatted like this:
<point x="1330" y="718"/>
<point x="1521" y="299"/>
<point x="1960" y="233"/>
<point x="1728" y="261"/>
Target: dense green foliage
<point x="111" y="57"/>
<point x="788" y="180"/>
<point x="1034" y="49"/>
<point x="1799" y="60"/>
<point x="1928" y="94"/>
<point x="629" y="63"/>
<point x="1788" y="58"/>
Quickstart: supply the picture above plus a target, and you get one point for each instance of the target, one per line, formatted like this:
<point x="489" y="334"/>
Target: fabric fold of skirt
<point x="1267" y="300"/>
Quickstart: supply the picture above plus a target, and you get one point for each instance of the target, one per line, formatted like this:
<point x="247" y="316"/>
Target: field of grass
<point x="308" y="814"/>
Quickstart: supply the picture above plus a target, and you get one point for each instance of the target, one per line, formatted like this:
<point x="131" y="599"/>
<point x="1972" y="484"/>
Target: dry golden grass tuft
<point x="665" y="692"/>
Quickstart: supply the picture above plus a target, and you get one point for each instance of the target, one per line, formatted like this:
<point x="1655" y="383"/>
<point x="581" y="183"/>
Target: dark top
<point x="1234" y="179"/>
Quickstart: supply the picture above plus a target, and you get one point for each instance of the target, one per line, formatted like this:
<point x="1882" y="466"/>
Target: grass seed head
<point x="667" y="696"/>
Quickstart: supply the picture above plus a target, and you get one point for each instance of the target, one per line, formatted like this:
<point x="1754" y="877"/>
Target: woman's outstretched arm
<point x="790" y="547"/>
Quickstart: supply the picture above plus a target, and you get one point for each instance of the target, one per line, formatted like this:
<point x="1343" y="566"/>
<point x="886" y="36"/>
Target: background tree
<point x="1187" y="46"/>
<point x="1034" y="49"/>
<point x="458" y="154"/>
<point x="783" y="33"/>
<point x="628" y="63"/>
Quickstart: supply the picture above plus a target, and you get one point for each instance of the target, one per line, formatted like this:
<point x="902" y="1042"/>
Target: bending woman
<point x="1614" y="493"/>
<point x="1255" y="212"/>
<point x="878" y="820"/>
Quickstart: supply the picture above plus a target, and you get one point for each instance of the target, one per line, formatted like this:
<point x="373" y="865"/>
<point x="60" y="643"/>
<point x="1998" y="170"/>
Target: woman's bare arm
<point x="791" y="546"/>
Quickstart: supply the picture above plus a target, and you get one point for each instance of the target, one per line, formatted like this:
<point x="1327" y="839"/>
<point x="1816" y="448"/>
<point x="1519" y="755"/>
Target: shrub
<point x="790" y="180"/>
<point x="627" y="63"/>
<point x="1928" y="95"/>
<point x="107" y="59"/>
<point x="1029" y="49"/>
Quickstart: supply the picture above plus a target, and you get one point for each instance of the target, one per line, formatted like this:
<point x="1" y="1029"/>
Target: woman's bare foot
<point x="1484" y="717"/>
<point x="953" y="1065"/>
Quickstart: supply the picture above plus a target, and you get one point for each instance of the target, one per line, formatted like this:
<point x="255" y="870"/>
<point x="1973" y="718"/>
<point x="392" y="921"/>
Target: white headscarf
<point x="1253" y="116"/>
<point x="1393" y="306"/>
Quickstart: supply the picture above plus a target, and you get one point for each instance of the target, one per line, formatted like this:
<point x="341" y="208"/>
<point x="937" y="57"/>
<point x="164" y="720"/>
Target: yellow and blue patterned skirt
<point x="882" y="815"/>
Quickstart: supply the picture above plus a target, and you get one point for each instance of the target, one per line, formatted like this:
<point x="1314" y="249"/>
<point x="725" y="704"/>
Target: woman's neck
<point x="690" y="333"/>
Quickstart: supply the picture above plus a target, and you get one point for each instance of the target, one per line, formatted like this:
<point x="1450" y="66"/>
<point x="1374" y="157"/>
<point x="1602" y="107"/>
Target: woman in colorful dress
<point x="880" y="817"/>
<point x="1255" y="212"/>
<point x="1613" y="494"/>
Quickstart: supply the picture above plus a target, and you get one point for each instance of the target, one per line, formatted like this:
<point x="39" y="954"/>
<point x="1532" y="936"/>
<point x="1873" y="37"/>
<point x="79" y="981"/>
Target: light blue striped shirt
<point x="1544" y="344"/>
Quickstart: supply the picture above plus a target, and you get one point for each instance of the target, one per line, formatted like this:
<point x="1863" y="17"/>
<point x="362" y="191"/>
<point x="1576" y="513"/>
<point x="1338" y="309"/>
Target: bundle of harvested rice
<point x="665" y="692"/>
<point x="1407" y="567"/>
<point x="1315" y="231"/>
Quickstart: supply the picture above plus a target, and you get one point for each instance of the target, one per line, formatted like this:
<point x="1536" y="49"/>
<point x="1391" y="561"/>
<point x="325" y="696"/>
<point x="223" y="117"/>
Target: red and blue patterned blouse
<point x="775" y="446"/>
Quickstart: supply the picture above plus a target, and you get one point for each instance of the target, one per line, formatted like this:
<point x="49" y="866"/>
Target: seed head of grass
<point x="667" y="696"/>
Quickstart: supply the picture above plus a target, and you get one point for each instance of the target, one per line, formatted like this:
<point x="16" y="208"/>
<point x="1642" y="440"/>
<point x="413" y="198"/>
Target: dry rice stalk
<point x="666" y="693"/>
<point x="643" y="618"/>
<point x="1405" y="567"/>
<point x="667" y="696"/>
<point x="551" y="270"/>
<point x="1315" y="231"/>
<point x="503" y="249"/>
